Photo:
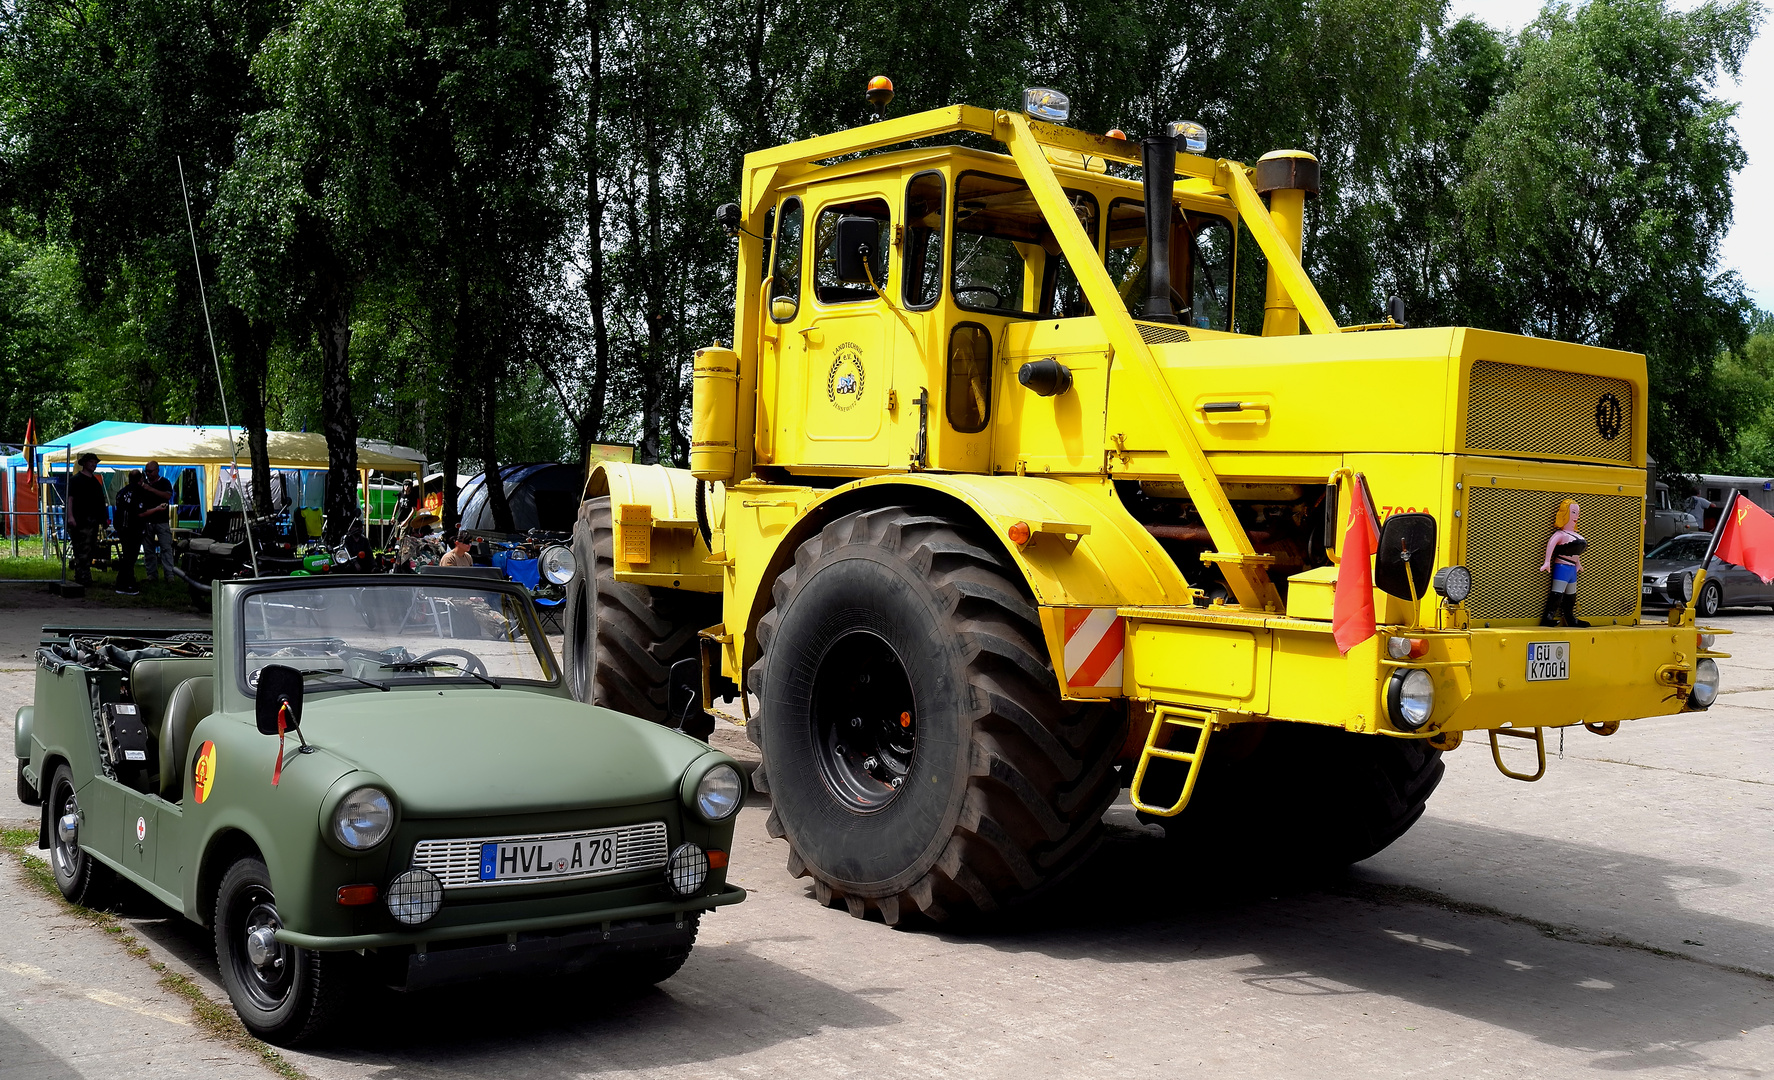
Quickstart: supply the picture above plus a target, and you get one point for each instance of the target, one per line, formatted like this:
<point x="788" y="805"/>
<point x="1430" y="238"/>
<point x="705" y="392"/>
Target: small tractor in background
<point x="995" y="512"/>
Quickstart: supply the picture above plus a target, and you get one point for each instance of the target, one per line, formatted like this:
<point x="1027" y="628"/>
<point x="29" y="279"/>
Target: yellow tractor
<point x="992" y="513"/>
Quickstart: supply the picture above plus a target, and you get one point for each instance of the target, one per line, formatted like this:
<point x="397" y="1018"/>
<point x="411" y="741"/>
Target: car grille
<point x="1506" y="534"/>
<point x="457" y="862"/>
<point x="1549" y="414"/>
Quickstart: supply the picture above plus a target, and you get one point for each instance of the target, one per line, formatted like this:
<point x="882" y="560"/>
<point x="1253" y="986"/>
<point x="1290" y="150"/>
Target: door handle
<point x="813" y="335"/>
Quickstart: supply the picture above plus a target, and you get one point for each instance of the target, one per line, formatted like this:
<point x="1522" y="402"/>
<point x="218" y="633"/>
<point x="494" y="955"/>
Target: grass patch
<point x="217" y="1020"/>
<point x="169" y="593"/>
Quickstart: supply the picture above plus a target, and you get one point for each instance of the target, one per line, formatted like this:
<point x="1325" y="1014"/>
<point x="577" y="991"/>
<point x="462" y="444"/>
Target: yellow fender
<point x="657" y="542"/>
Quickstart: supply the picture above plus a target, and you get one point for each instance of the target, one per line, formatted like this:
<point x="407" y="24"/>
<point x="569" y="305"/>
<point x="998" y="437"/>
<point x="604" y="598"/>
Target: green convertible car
<point x="377" y="778"/>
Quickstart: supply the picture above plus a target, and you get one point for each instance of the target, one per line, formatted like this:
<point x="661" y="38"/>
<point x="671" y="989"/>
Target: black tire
<point x="1712" y="596"/>
<point x="621" y="639"/>
<point x="1001" y="784"/>
<point x="81" y="878"/>
<point x="649" y="967"/>
<point x="1283" y="801"/>
<point x="292" y="997"/>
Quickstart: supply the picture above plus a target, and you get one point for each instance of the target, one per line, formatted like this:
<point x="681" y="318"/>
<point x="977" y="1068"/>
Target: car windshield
<point x="1680" y="549"/>
<point x="392" y="633"/>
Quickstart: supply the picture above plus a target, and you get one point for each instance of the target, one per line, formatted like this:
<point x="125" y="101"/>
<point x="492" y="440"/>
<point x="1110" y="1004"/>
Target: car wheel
<point x="621" y="639"/>
<point x="81" y="878"/>
<point x="917" y="752"/>
<point x="283" y="994"/>
<point x="651" y="966"/>
<point x="1711" y="597"/>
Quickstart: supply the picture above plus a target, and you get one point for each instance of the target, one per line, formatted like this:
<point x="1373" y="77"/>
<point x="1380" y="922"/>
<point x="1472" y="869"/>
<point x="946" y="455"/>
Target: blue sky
<point x="1746" y="248"/>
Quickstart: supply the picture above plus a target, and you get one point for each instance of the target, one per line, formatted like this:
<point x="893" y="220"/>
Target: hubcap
<point x="865" y="723"/>
<point x="68" y="828"/>
<point x="67" y="833"/>
<point x="261" y="962"/>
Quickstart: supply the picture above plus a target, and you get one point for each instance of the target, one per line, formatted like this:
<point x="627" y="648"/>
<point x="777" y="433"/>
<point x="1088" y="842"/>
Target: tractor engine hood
<point x="465" y="752"/>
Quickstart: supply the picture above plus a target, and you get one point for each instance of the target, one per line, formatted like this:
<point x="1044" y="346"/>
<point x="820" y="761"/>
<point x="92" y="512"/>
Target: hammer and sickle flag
<point x="1352" y="611"/>
<point x="1748" y="539"/>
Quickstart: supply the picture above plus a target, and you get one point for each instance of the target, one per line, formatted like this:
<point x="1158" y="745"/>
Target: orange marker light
<point x="1419" y="648"/>
<point x="1018" y="533"/>
<point x="880" y="93"/>
<point x="905" y="719"/>
<point x="717" y="860"/>
<point x="357" y="895"/>
<point x="1117" y="133"/>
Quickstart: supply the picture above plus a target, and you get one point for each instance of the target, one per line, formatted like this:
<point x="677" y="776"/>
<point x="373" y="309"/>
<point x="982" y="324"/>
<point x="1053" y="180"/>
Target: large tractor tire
<point x="918" y="756"/>
<point x="621" y="639"/>
<point x="1282" y="801"/>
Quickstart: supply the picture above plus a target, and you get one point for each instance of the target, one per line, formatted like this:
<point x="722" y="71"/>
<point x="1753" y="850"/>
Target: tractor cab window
<point x="1200" y="263"/>
<point x="826" y="284"/>
<point x="785" y="274"/>
<point x="1007" y="260"/>
<point x="923" y="240"/>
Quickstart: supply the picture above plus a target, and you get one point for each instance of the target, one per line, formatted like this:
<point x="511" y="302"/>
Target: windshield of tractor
<point x="1200" y="263"/>
<point x="1007" y="260"/>
<point x="391" y="634"/>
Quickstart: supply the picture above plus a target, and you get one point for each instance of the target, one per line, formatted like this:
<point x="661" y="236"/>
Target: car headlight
<point x="686" y="871"/>
<point x="1453" y="584"/>
<point x="719" y="793"/>
<point x="1706" y="683"/>
<point x="415" y="896"/>
<point x="558" y="565"/>
<point x="1410" y="698"/>
<point x="363" y="818"/>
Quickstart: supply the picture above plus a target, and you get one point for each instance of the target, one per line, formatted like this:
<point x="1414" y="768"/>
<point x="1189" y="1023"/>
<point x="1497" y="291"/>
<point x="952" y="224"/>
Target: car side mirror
<point x="279" y="687"/>
<point x="854" y="249"/>
<point x="1406" y="556"/>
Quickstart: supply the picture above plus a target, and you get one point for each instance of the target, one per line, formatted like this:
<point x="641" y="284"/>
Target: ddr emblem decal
<point x="843" y="383"/>
<point x="203" y="773"/>
<point x="1609" y="417"/>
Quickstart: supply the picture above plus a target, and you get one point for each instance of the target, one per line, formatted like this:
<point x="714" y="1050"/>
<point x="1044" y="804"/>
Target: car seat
<point x="192" y="700"/>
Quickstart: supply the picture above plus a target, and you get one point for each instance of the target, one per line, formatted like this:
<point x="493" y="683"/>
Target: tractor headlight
<point x="1040" y="103"/>
<point x="719" y="793"/>
<point x="1190" y="136"/>
<point x="1453" y="584"/>
<point x="558" y="565"/>
<point x="363" y="818"/>
<point x="1706" y="683"/>
<point x="1680" y="587"/>
<point x="686" y="871"/>
<point x="1410" y="698"/>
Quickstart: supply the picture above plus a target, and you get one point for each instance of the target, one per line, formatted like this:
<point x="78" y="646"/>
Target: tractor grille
<point x="1506" y="534"/>
<point x="1549" y="414"/>
<point x="1160" y="334"/>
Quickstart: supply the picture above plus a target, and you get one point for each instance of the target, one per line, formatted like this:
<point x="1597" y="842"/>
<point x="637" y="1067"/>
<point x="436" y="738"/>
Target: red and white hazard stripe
<point x="1095" y="640"/>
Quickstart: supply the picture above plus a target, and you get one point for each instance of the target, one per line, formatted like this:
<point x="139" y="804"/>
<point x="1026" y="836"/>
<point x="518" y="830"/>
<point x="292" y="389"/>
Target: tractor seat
<point x="191" y="701"/>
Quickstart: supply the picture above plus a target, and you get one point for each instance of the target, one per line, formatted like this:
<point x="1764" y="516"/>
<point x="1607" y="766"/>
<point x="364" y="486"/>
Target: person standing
<point x="85" y="516"/>
<point x="126" y="517"/>
<point x="157" y="522"/>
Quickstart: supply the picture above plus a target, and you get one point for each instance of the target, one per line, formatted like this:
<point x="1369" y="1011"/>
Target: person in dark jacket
<point x="86" y="516"/>
<point x="157" y="522"/>
<point x="126" y="518"/>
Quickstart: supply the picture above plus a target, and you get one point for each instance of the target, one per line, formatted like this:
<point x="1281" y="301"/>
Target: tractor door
<point x="846" y="347"/>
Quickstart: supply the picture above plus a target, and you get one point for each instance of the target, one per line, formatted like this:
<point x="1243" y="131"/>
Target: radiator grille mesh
<point x="1506" y="534"/>
<point x="1550" y="414"/>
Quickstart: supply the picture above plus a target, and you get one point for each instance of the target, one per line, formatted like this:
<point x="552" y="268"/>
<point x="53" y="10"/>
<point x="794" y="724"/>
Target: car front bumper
<point x="603" y="919"/>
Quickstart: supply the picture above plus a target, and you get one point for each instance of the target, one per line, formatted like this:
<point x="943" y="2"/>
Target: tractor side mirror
<point x="279" y="688"/>
<point x="1405" y="562"/>
<point x="855" y="249"/>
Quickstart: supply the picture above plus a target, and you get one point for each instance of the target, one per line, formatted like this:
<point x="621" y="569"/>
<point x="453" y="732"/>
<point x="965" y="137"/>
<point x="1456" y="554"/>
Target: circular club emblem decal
<point x="141" y="829"/>
<point x="203" y="772"/>
<point x="843" y="383"/>
<point x="1609" y="416"/>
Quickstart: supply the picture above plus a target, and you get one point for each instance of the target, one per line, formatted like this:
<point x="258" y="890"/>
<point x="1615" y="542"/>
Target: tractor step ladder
<point x="1166" y="716"/>
<point x="1537" y="736"/>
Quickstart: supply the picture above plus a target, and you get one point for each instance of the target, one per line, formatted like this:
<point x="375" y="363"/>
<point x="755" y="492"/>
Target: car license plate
<point x="555" y="857"/>
<point x="1549" y="661"/>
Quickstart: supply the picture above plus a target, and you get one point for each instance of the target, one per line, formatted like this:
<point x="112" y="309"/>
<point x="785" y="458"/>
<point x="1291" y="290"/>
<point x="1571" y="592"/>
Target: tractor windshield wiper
<point x="422" y="665"/>
<point x="315" y="672"/>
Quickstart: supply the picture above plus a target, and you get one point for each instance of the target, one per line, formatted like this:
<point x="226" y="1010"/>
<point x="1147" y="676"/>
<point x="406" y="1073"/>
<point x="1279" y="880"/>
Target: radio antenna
<point x="233" y="448"/>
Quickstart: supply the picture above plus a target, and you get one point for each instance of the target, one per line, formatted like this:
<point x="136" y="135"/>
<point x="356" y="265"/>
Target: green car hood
<point x="484" y="751"/>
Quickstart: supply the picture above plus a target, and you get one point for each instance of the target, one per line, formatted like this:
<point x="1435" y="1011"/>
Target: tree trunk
<point x="591" y="428"/>
<point x="653" y="362"/>
<point x="249" y="343"/>
<point x="337" y="418"/>
<point x="452" y="462"/>
<point x="489" y="444"/>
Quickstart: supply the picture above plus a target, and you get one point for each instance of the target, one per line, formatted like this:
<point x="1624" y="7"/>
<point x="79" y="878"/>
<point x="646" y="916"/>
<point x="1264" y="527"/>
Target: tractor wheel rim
<point x="865" y="721"/>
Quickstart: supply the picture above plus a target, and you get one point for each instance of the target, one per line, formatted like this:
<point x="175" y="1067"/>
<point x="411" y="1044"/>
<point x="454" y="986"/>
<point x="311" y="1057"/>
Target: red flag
<point x="1748" y="539"/>
<point x="1352" y="613"/>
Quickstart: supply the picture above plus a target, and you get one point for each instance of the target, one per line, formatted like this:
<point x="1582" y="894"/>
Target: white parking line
<point x="103" y="997"/>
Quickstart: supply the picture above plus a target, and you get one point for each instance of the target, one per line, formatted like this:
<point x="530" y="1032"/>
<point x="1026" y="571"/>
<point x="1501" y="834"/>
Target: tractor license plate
<point x="556" y="857"/>
<point x="1549" y="661"/>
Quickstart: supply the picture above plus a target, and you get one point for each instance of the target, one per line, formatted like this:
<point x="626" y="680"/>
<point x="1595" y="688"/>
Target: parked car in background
<point x="1669" y="565"/>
